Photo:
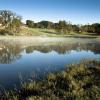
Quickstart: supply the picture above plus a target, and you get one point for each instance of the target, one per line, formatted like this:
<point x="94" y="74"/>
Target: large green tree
<point x="10" y="20"/>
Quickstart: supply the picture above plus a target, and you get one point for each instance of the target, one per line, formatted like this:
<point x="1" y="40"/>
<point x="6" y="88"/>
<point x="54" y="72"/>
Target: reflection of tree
<point x="29" y="49"/>
<point x="43" y="49"/>
<point x="65" y="48"/>
<point x="9" y="53"/>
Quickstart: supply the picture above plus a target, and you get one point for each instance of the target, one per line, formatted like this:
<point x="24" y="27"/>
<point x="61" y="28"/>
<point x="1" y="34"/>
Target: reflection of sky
<point x="37" y="58"/>
<point x="41" y="63"/>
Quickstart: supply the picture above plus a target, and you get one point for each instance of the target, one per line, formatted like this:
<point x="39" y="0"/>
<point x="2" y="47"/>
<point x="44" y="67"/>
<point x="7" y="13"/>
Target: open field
<point x="53" y="33"/>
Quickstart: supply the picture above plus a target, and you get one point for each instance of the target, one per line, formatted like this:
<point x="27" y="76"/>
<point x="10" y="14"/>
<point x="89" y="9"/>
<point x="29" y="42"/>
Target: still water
<point x="22" y="59"/>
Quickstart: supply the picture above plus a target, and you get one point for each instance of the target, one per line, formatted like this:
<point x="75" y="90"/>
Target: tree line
<point x="11" y="23"/>
<point x="64" y="27"/>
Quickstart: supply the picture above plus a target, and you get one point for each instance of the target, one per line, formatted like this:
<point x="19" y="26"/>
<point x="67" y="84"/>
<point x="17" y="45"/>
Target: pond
<point x="25" y="59"/>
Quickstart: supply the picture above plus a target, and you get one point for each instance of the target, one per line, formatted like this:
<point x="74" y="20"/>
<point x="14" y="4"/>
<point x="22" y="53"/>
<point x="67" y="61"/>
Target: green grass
<point x="36" y="31"/>
<point x="76" y="82"/>
<point x="25" y="31"/>
<point x="52" y="33"/>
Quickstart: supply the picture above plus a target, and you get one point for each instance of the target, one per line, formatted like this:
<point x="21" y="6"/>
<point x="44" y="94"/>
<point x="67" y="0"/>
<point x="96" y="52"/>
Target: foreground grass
<point x="76" y="82"/>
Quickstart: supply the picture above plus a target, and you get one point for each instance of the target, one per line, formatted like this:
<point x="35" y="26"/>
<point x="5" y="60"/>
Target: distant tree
<point x="69" y="27"/>
<point x="64" y="27"/>
<point x="45" y="24"/>
<point x="96" y="27"/>
<point x="30" y="23"/>
<point x="87" y="28"/>
<point x="61" y="27"/>
<point x="75" y="28"/>
<point x="10" y="20"/>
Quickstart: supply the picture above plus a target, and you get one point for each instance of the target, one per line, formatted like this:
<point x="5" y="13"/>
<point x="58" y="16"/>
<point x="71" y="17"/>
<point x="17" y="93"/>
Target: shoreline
<point x="55" y="36"/>
<point x="43" y="39"/>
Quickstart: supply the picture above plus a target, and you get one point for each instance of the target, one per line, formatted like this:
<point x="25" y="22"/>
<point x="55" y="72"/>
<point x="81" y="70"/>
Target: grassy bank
<point x="25" y="31"/>
<point x="53" y="33"/>
<point x="76" y="82"/>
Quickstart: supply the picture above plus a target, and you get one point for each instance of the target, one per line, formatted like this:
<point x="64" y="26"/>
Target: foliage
<point x="94" y="28"/>
<point x="45" y="24"/>
<point x="4" y="32"/>
<point x="64" y="27"/>
<point x="30" y="23"/>
<point x="7" y="17"/>
<point x="10" y="21"/>
<point x="14" y="27"/>
<point x="61" y="28"/>
<point x="76" y="82"/>
<point x="75" y="28"/>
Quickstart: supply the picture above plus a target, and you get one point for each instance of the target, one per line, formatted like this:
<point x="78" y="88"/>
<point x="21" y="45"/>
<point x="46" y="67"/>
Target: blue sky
<point x="77" y="11"/>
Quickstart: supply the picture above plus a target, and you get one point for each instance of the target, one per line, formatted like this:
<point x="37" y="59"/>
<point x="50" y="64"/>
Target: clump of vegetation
<point x="76" y="82"/>
<point x="10" y="22"/>
<point x="4" y="32"/>
<point x="30" y="23"/>
<point x="63" y="27"/>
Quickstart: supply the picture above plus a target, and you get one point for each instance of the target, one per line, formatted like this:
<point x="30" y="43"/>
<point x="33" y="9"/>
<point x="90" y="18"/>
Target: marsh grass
<point x="77" y="82"/>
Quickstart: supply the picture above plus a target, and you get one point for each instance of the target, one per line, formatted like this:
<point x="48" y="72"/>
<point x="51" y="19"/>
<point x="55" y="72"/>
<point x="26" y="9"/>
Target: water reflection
<point x="11" y="52"/>
<point x="37" y="59"/>
<point x="65" y="48"/>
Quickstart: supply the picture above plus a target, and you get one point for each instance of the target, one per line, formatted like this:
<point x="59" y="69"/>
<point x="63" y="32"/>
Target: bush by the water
<point x="4" y="32"/>
<point x="76" y="82"/>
